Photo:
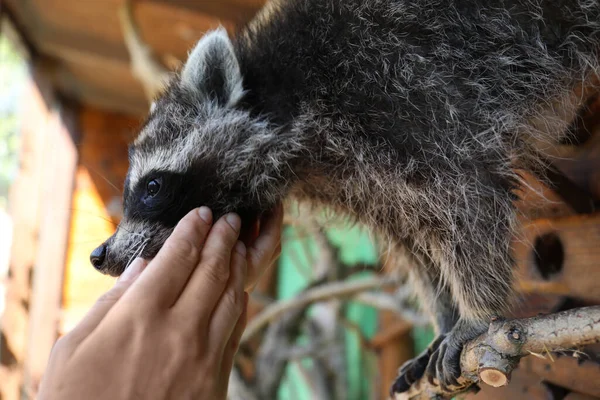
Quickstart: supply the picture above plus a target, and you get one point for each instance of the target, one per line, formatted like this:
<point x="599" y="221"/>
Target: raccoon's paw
<point x="444" y="363"/>
<point x="413" y="370"/>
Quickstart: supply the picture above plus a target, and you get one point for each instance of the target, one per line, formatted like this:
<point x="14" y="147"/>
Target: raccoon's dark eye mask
<point x="163" y="197"/>
<point x="159" y="192"/>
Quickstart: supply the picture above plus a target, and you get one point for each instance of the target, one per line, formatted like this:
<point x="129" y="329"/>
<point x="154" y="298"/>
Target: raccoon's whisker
<point x="127" y="238"/>
<point x="137" y="252"/>
<point x="130" y="232"/>
<point x="103" y="177"/>
<point x="143" y="247"/>
<point x="134" y="248"/>
<point x="94" y="241"/>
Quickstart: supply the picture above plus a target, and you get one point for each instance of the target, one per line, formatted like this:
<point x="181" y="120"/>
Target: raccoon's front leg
<point x="437" y="301"/>
<point x="477" y="265"/>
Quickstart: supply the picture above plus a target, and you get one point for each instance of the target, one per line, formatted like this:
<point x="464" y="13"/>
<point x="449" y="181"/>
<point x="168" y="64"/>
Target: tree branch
<point x="319" y="293"/>
<point x="145" y="66"/>
<point x="491" y="357"/>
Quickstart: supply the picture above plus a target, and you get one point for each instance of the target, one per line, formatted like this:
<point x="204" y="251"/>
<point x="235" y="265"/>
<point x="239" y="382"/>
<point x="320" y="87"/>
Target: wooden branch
<point x="388" y="302"/>
<point x="491" y="357"/>
<point x="320" y="293"/>
<point x="270" y="360"/>
<point x="145" y="66"/>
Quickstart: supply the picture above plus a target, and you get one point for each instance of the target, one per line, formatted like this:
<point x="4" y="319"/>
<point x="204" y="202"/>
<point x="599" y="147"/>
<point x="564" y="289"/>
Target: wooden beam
<point x="26" y="209"/>
<point x="563" y="252"/>
<point x="238" y="11"/>
<point x="100" y="174"/>
<point x="104" y="99"/>
<point x="61" y="43"/>
<point x="20" y="30"/>
<point x="580" y="375"/>
<point x="80" y="47"/>
<point x="59" y="160"/>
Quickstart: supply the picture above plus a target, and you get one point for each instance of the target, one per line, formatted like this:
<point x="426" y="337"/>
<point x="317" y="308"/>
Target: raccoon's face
<point x="189" y="153"/>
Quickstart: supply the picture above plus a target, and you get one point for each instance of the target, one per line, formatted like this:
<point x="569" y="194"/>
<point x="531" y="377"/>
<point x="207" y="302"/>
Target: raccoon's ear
<point x="212" y="69"/>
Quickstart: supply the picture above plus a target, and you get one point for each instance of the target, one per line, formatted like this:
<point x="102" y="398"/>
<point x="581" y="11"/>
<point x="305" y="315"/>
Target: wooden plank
<point x="567" y="372"/>
<point x="90" y="31"/>
<point x="26" y="210"/>
<point x="393" y="343"/>
<point x="96" y="206"/>
<point x="76" y="46"/>
<point x="238" y="11"/>
<point x="171" y="32"/>
<point x="579" y="396"/>
<point x="109" y="77"/>
<point x="108" y="101"/>
<point x="94" y="18"/>
<point x="59" y="41"/>
<point x="59" y="160"/>
<point x="566" y="249"/>
<point x="394" y="346"/>
<point x="582" y="165"/>
<point x="537" y="200"/>
<point x="107" y="86"/>
<point x="85" y="39"/>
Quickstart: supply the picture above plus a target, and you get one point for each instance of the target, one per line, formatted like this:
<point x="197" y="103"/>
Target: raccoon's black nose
<point x="98" y="255"/>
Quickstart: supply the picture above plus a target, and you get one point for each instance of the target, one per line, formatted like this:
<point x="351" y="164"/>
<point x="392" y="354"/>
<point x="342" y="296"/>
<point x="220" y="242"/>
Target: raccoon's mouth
<point x="105" y="261"/>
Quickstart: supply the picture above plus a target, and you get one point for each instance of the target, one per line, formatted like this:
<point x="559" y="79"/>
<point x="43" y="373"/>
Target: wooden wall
<point x="85" y="41"/>
<point x="65" y="201"/>
<point x="40" y="202"/>
<point x="96" y="205"/>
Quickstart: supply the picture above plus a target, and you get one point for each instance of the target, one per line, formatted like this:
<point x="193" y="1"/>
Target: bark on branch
<point x="319" y="293"/>
<point x="145" y="66"/>
<point x="491" y="357"/>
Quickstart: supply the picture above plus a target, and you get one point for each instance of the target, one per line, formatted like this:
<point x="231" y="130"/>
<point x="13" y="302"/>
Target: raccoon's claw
<point x="413" y="370"/>
<point x="444" y="363"/>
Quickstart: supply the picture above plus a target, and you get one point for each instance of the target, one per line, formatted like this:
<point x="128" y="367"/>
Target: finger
<point x="168" y="273"/>
<point x="105" y="303"/>
<point x="251" y="285"/>
<point x="263" y="250"/>
<point x="209" y="280"/>
<point x="231" y="304"/>
<point x="233" y="345"/>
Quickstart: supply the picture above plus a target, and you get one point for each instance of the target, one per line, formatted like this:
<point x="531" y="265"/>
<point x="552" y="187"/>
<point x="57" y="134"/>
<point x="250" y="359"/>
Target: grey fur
<point x="409" y="116"/>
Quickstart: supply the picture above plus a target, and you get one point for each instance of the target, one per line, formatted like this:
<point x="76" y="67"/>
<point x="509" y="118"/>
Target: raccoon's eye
<point x="153" y="187"/>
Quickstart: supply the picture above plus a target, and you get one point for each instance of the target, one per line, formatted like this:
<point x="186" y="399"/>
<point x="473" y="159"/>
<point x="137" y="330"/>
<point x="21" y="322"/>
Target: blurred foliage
<point x="13" y="71"/>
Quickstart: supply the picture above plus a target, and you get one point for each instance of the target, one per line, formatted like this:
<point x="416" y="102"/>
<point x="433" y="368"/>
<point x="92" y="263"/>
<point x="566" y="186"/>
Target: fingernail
<point x="234" y="221"/>
<point x="133" y="270"/>
<point x="205" y="214"/>
<point x="240" y="248"/>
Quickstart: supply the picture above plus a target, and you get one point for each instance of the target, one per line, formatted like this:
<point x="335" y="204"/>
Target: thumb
<point x="108" y="300"/>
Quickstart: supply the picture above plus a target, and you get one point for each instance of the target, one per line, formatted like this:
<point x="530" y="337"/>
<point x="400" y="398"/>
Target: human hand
<point x="171" y="331"/>
<point x="265" y="249"/>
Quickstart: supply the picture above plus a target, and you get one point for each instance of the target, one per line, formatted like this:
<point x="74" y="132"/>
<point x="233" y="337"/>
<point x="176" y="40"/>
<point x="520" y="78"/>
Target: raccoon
<point x="409" y="116"/>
